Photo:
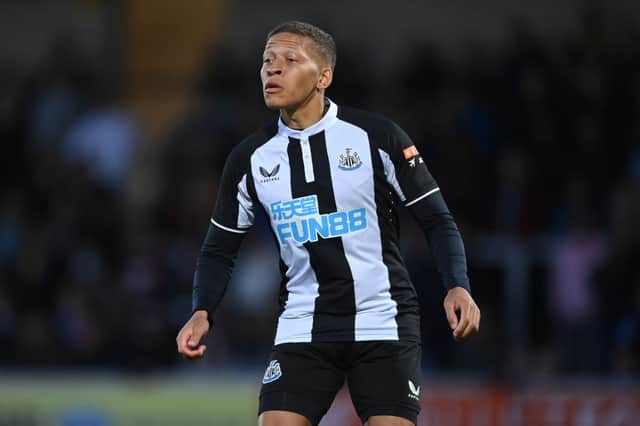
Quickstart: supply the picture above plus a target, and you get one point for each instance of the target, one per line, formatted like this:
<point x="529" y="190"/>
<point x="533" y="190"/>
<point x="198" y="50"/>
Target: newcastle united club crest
<point x="350" y="160"/>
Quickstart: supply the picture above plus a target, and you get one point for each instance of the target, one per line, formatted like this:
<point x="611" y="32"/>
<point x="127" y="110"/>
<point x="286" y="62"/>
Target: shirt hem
<point x="348" y="338"/>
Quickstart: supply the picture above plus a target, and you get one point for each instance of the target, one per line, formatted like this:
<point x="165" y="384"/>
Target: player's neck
<point x="305" y="115"/>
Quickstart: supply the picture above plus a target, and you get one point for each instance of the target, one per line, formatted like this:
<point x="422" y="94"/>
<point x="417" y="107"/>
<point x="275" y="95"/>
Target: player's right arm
<point x="232" y="217"/>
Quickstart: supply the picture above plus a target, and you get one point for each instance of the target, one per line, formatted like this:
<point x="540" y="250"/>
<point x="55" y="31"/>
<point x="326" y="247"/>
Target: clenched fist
<point x="458" y="299"/>
<point x="189" y="338"/>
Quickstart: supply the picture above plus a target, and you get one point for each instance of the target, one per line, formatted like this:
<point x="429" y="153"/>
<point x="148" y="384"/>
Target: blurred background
<point x="115" y="121"/>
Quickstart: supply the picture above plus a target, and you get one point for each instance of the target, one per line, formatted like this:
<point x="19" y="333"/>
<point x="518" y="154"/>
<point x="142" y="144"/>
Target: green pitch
<point x="104" y="401"/>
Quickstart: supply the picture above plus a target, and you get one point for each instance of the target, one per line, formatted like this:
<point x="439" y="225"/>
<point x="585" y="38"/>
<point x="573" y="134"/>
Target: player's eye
<point x="291" y="59"/>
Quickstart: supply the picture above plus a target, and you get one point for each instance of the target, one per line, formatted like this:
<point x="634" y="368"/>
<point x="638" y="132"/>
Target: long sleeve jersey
<point x="332" y="192"/>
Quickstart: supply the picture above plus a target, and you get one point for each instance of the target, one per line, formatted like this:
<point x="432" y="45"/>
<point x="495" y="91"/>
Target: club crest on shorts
<point x="272" y="373"/>
<point x="350" y="160"/>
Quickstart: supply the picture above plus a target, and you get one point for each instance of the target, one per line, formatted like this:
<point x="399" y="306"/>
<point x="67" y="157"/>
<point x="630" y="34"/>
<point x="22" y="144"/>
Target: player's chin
<point x="275" y="102"/>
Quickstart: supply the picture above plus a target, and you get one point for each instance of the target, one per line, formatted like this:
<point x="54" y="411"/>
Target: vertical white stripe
<point x="245" y="206"/>
<point x="354" y="188"/>
<point x="307" y="160"/>
<point x="296" y="321"/>
<point x="390" y="173"/>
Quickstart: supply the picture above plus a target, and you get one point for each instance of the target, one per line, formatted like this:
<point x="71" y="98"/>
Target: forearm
<point x="444" y="240"/>
<point x="213" y="268"/>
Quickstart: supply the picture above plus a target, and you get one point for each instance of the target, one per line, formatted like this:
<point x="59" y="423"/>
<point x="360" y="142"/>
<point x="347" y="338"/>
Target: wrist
<point x="458" y="287"/>
<point x="201" y="314"/>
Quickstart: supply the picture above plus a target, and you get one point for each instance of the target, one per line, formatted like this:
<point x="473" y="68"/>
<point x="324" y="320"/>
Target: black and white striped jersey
<point x="331" y="192"/>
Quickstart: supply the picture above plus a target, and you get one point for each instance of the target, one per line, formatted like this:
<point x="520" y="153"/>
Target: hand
<point x="194" y="330"/>
<point x="459" y="299"/>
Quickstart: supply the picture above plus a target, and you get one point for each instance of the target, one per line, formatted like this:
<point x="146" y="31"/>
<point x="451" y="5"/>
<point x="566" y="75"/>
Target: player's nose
<point x="274" y="70"/>
<point x="275" y="67"/>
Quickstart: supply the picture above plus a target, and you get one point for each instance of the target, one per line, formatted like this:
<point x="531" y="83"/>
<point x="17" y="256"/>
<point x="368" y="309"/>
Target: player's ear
<point x="326" y="77"/>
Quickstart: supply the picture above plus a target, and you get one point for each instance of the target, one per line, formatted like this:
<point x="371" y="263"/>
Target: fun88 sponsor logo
<point x="299" y="220"/>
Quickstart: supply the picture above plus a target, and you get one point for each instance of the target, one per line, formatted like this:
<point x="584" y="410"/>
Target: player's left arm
<point x="447" y="247"/>
<point x="421" y="195"/>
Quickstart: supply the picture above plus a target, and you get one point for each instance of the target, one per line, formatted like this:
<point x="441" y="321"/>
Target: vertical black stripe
<point x="402" y="291"/>
<point x="251" y="187"/>
<point x="334" y="314"/>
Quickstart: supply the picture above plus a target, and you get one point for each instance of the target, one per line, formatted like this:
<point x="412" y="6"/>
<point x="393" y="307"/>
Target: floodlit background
<point x="115" y="121"/>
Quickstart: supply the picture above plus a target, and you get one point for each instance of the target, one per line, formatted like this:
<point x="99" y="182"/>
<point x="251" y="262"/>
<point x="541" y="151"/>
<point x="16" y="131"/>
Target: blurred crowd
<point x="535" y="143"/>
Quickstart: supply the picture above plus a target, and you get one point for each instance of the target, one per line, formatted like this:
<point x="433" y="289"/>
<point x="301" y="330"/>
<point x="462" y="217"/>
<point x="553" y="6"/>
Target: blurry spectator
<point x="77" y="327"/>
<point x="579" y="251"/>
<point x="103" y="142"/>
<point x="58" y="91"/>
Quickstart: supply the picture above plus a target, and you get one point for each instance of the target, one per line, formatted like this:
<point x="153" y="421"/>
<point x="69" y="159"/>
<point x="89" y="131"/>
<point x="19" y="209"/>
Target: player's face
<point x="291" y="71"/>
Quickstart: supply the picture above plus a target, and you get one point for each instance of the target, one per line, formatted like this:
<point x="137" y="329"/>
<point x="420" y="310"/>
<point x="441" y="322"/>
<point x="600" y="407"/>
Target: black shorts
<point x="383" y="378"/>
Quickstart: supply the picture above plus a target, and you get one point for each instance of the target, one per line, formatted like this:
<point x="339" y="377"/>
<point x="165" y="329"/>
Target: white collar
<point x="330" y="117"/>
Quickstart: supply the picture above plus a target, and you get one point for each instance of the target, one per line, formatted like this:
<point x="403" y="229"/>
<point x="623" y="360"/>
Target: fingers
<point x="475" y="325"/>
<point x="195" y="353"/>
<point x="188" y="342"/>
<point x="450" y="310"/>
<point x="459" y="299"/>
<point x="469" y="322"/>
<point x="189" y="347"/>
<point x="463" y="324"/>
<point x="471" y="329"/>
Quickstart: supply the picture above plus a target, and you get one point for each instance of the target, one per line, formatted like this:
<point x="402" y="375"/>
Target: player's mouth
<point x="272" y="87"/>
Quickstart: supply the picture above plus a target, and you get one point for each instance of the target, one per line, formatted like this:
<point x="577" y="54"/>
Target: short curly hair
<point x="322" y="41"/>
